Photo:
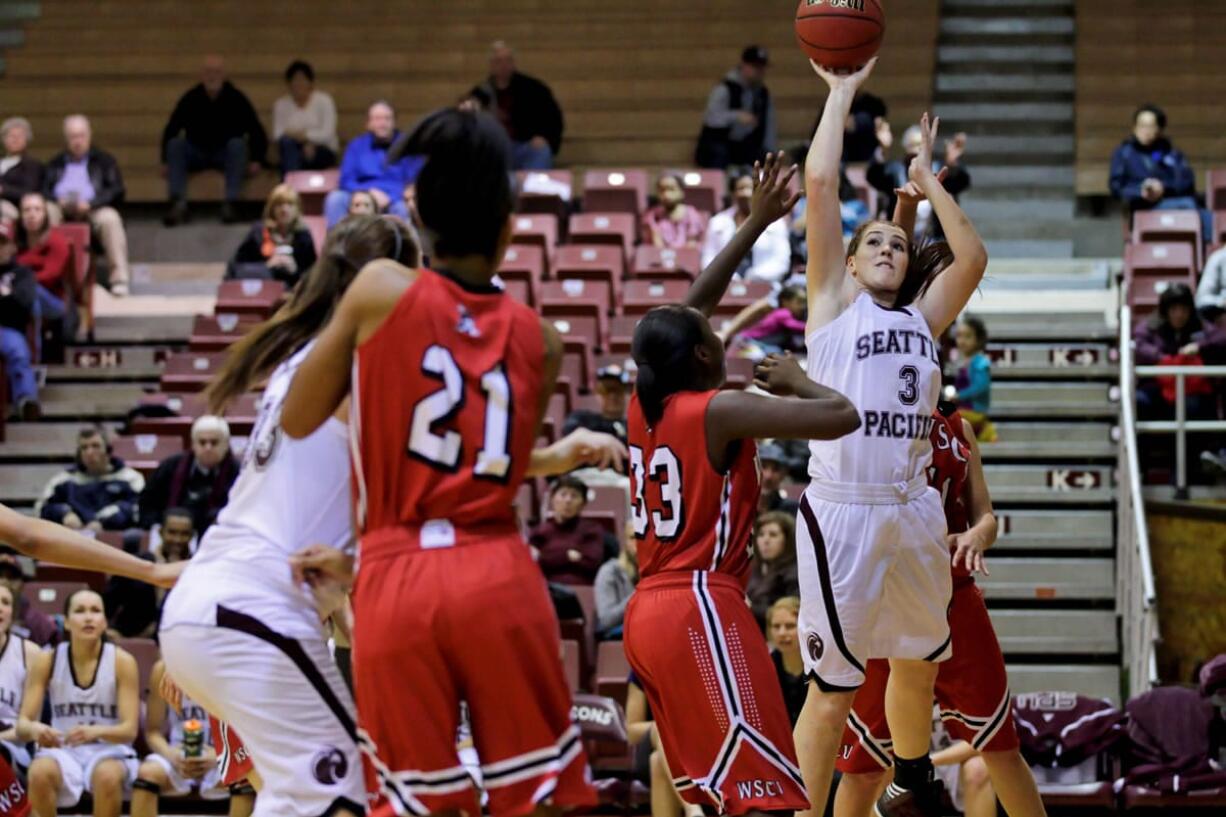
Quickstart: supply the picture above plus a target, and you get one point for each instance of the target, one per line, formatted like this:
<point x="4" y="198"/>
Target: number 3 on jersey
<point x="665" y="470"/>
<point x="442" y="447"/>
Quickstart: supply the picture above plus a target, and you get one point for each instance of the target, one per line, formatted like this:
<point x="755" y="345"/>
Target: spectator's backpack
<point x="1064" y="728"/>
<point x="1168" y="742"/>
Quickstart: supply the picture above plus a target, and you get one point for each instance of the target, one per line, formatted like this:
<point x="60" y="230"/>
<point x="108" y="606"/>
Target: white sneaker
<point x="119" y="289"/>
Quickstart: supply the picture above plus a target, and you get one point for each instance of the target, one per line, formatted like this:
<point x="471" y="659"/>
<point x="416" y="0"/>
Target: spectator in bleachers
<point x="864" y="121"/>
<point x="176" y="539"/>
<point x="852" y="210"/>
<point x="134" y="607"/>
<point x="18" y="296"/>
<point x="365" y="167"/>
<point x="569" y="548"/>
<point x="738" y="126"/>
<point x="672" y="224"/>
<point x="84" y="184"/>
<point x="1149" y="173"/>
<point x="973" y="380"/>
<point x="760" y="329"/>
<point x="28" y="621"/>
<point x="615" y="583"/>
<point x="304" y="122"/>
<point x="774" y="465"/>
<point x="889" y="176"/>
<point x="1176" y="330"/>
<point x="773" y="572"/>
<point x="526" y="108"/>
<point x="47" y="254"/>
<point x="87" y="746"/>
<point x="1211" y="291"/>
<point x="98" y="492"/>
<point x="198" y="479"/>
<point x="213" y="126"/>
<point x="771" y="256"/>
<point x="279" y="245"/>
<point x="14" y="648"/>
<point x="20" y="173"/>
<point x="362" y="203"/>
<point x="613" y="390"/>
<point x="781" y="630"/>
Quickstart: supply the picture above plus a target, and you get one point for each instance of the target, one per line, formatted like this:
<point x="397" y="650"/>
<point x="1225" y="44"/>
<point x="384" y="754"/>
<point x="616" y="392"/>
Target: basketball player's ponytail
<point x="350" y="245"/>
<point x="663" y="350"/>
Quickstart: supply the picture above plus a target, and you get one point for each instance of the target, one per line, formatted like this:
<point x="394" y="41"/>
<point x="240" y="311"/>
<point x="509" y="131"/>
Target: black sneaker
<point x="176" y="215"/>
<point x="900" y="802"/>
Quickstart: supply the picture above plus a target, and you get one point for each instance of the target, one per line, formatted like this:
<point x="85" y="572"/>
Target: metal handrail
<point x="1128" y="410"/>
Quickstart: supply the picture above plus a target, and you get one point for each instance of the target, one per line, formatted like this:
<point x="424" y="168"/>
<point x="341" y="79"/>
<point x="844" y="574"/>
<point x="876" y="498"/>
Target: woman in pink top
<point x="673" y="224"/>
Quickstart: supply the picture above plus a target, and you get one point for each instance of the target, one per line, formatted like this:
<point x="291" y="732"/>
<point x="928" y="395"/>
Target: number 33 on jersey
<point x="687" y="515"/>
<point x="464" y="406"/>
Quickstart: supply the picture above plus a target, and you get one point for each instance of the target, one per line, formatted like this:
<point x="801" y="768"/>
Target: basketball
<point x="840" y="33"/>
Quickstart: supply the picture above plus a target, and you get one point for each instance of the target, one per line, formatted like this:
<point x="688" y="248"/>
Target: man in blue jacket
<point x="98" y="492"/>
<point x="365" y="167"/>
<point x="1148" y="173"/>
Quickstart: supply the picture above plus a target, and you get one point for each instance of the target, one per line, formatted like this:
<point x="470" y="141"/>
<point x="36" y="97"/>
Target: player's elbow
<point x="839" y="418"/>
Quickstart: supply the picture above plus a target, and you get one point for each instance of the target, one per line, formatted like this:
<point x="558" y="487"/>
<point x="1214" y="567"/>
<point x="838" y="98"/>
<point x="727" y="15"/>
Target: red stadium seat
<point x="1219" y="233"/>
<point x="48" y="572"/>
<point x="190" y="371"/>
<point x="610" y="498"/>
<point x="1150" y="268"/>
<point x="49" y="598"/>
<point x="313" y="187"/>
<point x="523" y="262"/>
<point x="146" y="653"/>
<point x="617" y="229"/>
<point x="249" y="297"/>
<point x="621" y="333"/>
<point x="318" y="225"/>
<point x="577" y="367"/>
<point x="1215" y="189"/>
<point x="571" y="653"/>
<point x="741" y="294"/>
<point x="615" y="191"/>
<point x="536" y="230"/>
<point x="577" y="298"/>
<point x="555" y="416"/>
<point x="705" y="189"/>
<point x="656" y="263"/>
<point x="145" y="451"/>
<point x="593" y="263"/>
<point x="538" y="197"/>
<point x="739" y="371"/>
<point x="639" y="297"/>
<point x="215" y="333"/>
<point x="1169" y="226"/>
<point x="519" y="290"/>
<point x="527" y="504"/>
<point x="612" y="670"/>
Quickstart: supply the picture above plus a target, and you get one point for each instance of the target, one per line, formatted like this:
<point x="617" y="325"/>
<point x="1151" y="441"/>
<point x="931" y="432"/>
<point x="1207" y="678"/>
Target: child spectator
<point x="782" y="329"/>
<point x="781" y="621"/>
<point x="168" y="770"/>
<point x="973" y="381"/>
<point x="773" y="572"/>
<point x="362" y="203"/>
<point x="569" y="548"/>
<point x="278" y="246"/>
<point x="87" y="747"/>
<point x="615" y="583"/>
<point x="46" y="254"/>
<point x="16" y="654"/>
<point x="672" y="223"/>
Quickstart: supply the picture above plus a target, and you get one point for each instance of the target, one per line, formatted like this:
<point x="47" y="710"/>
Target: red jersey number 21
<point x="430" y="440"/>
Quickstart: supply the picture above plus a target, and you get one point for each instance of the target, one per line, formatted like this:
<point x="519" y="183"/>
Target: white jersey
<point x="885" y="361"/>
<point x="12" y="679"/>
<point x="83" y="701"/>
<point x="289" y="494"/>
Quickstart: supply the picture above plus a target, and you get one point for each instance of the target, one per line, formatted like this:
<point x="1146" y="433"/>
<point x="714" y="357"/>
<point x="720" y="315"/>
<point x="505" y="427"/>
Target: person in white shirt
<point x="1211" y="292"/>
<point x="771" y="256"/>
<point x="304" y="122"/>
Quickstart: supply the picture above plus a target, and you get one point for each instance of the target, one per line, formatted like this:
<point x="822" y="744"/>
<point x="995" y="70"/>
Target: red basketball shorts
<point x="468" y="623"/>
<point x="972" y="690"/>
<point x="13" y="800"/>
<point x="698" y="652"/>
<point x="233" y="759"/>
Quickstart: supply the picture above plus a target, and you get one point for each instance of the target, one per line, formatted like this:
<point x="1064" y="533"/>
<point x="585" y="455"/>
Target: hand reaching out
<point x="772" y="197"/>
<point x="845" y="82"/>
<point x="911" y="194"/>
<point x="968" y="551"/>
<point x="920" y="171"/>
<point x="779" y="375"/>
<point x="954" y="148"/>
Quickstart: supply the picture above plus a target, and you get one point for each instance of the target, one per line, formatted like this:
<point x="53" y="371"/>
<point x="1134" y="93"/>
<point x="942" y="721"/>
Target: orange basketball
<point x="840" y="33"/>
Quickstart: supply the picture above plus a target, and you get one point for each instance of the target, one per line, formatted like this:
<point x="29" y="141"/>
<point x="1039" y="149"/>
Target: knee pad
<point x="242" y="788"/>
<point x="149" y="786"/>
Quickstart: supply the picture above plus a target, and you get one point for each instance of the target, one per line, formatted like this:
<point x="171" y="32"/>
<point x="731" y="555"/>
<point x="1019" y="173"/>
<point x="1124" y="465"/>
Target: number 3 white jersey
<point x="885" y="361"/>
<point x="289" y="494"/>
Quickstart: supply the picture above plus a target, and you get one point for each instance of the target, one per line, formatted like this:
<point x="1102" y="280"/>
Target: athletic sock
<point x="914" y="774"/>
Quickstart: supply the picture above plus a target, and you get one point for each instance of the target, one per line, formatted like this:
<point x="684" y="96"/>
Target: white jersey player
<point x="92" y="687"/>
<point x="16" y="656"/>
<point x="874" y="568"/>
<point x="238" y="634"/>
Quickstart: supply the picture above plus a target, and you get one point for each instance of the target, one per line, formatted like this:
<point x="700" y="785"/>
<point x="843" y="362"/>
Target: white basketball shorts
<point x="874" y="578"/>
<point x="77" y="765"/>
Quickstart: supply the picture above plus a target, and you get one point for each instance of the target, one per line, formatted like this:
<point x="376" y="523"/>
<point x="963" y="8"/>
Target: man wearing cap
<point x="738" y="127"/>
<point x="28" y="622"/>
<point x="774" y="470"/>
<point x="198" y="480"/>
<point x="613" y="389"/>
<point x="17" y="295"/>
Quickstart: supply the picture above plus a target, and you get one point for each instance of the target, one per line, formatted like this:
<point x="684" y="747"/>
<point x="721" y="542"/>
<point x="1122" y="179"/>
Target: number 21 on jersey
<point x="665" y="471"/>
<point x="432" y="442"/>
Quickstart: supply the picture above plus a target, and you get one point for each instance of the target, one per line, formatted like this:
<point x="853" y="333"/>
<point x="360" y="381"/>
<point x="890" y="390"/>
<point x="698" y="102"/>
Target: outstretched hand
<point x="586" y="448"/>
<point x="772" y="196"/>
<point x="920" y="171"/>
<point x="779" y="374"/>
<point x="910" y="192"/>
<point x="849" y="81"/>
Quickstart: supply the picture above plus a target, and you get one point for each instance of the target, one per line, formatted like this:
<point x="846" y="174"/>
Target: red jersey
<point x="687" y="515"/>
<point x="444" y="414"/>
<point x="951" y="456"/>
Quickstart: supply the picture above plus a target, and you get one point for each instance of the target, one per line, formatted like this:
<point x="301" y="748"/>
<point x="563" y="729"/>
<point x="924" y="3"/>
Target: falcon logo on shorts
<point x="330" y="766"/>
<point x="816" y="646"/>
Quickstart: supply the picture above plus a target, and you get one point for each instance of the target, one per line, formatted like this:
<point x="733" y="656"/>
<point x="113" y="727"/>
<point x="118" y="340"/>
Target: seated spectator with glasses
<point x="84" y="184"/>
<point x="365" y="167"/>
<point x="198" y="480"/>
<point x="569" y="548"/>
<point x="304" y="122"/>
<point x="18" y="299"/>
<point x="98" y="492"/>
<point x="277" y="246"/>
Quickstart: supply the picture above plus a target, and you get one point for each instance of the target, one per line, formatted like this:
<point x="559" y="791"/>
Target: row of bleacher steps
<point x="1051" y="592"/>
<point x="1005" y="77"/>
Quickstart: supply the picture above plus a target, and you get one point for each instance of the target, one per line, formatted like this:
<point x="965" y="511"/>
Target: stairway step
<point x="1051" y="579"/>
<point x="25" y="484"/>
<point x="80" y="400"/>
<point x="1022" y="530"/>
<point x="1022" y="145"/>
<point x="145" y="329"/>
<point x="995" y="112"/>
<point x="997" y="83"/>
<point x="1050" y="441"/>
<point x="1033" y="175"/>
<point x="1083" y="632"/>
<point x="1008" y="26"/>
<point x="1051" y="54"/>
<point x="1021" y="209"/>
<point x="1080" y="484"/>
<point x="1009" y="6"/>
<point x="1030" y="249"/>
<point x="52" y="441"/>
<point x="1094" y="680"/>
